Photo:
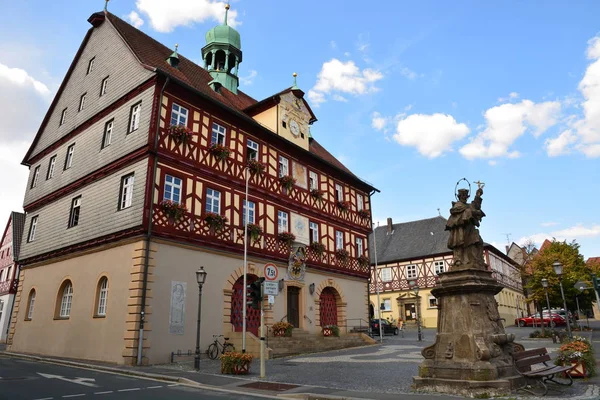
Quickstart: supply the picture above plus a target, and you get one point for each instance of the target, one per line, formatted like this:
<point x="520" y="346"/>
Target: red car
<point x="553" y="320"/>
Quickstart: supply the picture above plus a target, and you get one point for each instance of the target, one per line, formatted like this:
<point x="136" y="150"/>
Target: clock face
<point x="294" y="128"/>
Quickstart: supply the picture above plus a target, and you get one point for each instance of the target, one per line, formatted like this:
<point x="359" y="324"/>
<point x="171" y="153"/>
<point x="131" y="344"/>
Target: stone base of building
<point x="469" y="388"/>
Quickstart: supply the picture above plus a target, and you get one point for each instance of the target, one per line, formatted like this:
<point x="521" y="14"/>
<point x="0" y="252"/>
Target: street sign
<point x="271" y="299"/>
<point x="580" y="285"/>
<point x="271" y="272"/>
<point x="271" y="288"/>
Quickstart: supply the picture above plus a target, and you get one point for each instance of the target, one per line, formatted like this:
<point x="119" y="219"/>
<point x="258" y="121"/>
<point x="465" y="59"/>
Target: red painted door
<point x="328" y="307"/>
<point x="237" y="312"/>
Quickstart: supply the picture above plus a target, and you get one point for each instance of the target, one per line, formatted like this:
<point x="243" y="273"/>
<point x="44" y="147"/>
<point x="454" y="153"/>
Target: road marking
<point x="153" y="387"/>
<point x="79" y="381"/>
<point x="128" y="390"/>
<point x="74" y="395"/>
<point x="174" y="384"/>
<point x="107" y="392"/>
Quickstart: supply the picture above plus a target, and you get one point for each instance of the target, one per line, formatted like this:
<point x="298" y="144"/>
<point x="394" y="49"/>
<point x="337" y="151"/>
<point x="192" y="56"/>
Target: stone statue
<point x="464" y="240"/>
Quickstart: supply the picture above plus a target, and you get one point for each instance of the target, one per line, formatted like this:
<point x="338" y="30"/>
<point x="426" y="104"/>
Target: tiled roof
<point x="18" y="226"/>
<point x="320" y="151"/>
<point x="593" y="261"/>
<point x="545" y="245"/>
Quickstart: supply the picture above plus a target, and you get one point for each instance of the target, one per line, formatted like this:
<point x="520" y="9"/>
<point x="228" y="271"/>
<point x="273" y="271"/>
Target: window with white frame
<point x="126" y="195"/>
<point x="51" y="165"/>
<point x="134" y="117"/>
<point x="108" y="131"/>
<point x="252" y="150"/>
<point x="31" y="304"/>
<point x="282" y="222"/>
<point x="172" y="189"/>
<point x="103" y="86"/>
<point x="90" y="67"/>
<point x="249" y="208"/>
<point x="387" y="305"/>
<point x="218" y="134"/>
<point x="82" y="101"/>
<point x="179" y="115"/>
<point x="339" y="192"/>
<point x="438" y="267"/>
<point x="386" y="274"/>
<point x="75" y="211"/>
<point x="313" y="180"/>
<point x="359" y="247"/>
<point x="411" y="271"/>
<point x="32" y="229"/>
<point x="66" y="300"/>
<point x="314" y="232"/>
<point x="213" y="201"/>
<point x="69" y="158"/>
<point x="63" y="117"/>
<point x="102" y="296"/>
<point x="36" y="176"/>
<point x="283" y="166"/>
<point x="339" y="240"/>
<point x="432" y="302"/>
<point x="360" y="202"/>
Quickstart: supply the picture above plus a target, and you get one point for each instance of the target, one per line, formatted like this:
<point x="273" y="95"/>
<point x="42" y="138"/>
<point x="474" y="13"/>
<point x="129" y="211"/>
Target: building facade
<point x="9" y="269"/>
<point x="139" y="175"/>
<point x="411" y="255"/>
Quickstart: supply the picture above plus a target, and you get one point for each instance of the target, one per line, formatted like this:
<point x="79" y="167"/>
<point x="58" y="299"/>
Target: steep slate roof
<point x="18" y="226"/>
<point x="410" y="240"/>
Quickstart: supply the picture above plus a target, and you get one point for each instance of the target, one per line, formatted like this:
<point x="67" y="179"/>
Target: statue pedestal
<point x="472" y="354"/>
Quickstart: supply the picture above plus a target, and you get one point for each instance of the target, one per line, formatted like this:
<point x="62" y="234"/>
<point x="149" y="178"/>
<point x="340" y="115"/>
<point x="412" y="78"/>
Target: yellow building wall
<point x="268" y="118"/>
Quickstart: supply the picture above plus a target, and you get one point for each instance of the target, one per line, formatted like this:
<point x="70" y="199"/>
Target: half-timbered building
<point x="410" y="257"/>
<point x="138" y="176"/>
<point x="10" y="242"/>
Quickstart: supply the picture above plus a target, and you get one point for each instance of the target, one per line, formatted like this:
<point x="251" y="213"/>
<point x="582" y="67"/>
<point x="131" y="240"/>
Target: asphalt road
<point x="27" y="380"/>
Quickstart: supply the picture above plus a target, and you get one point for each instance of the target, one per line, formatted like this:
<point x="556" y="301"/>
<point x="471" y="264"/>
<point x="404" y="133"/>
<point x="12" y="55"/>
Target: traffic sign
<point x="271" y="288"/>
<point x="271" y="272"/>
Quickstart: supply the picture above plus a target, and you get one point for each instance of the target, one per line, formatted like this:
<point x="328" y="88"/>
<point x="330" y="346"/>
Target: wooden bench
<point x="542" y="372"/>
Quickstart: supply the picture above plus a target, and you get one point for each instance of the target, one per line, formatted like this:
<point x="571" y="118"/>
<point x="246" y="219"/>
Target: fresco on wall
<point x="299" y="172"/>
<point x="177" y="313"/>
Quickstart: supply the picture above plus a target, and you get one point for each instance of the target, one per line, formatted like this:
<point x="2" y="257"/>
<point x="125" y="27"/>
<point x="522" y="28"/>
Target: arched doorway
<point x="328" y="306"/>
<point x="237" y="312"/>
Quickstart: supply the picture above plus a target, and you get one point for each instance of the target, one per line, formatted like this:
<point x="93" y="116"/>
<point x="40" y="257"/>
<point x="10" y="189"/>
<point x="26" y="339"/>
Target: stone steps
<point x="303" y="342"/>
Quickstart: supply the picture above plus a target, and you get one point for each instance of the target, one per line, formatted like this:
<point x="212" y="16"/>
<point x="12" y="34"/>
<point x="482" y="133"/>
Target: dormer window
<point x="63" y="117"/>
<point x="90" y="67"/>
<point x="104" y="86"/>
<point x="82" y="101"/>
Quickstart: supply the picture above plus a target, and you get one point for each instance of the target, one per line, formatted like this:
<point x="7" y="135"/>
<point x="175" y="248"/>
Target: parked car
<point x="388" y="327"/>
<point x="549" y="320"/>
<point x="563" y="314"/>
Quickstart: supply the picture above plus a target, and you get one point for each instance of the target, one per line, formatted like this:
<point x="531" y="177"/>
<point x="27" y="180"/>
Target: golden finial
<point x="227" y="6"/>
<point x="294" y="74"/>
<point x="176" y="47"/>
<point x="295" y="85"/>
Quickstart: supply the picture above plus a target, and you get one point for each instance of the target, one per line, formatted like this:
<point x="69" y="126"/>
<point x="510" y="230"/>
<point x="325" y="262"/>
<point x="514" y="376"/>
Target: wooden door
<point x="293" y="306"/>
<point x="328" y="307"/>
<point x="237" y="311"/>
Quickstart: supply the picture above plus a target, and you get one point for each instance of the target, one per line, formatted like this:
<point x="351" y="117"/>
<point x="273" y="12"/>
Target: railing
<point x="9" y="286"/>
<point x="366" y="327"/>
<point x="309" y="320"/>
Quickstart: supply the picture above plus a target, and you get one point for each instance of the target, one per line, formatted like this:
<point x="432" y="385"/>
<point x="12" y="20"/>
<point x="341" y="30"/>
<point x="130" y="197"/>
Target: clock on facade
<point x="294" y="128"/>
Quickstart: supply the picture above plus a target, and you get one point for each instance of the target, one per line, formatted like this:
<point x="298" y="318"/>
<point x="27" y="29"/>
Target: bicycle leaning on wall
<point x="213" y="349"/>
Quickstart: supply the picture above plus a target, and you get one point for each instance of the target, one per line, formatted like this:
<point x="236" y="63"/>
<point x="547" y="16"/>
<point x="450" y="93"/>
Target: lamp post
<point x="558" y="269"/>
<point x="245" y="285"/>
<point x="201" y="278"/>
<point x="415" y="287"/>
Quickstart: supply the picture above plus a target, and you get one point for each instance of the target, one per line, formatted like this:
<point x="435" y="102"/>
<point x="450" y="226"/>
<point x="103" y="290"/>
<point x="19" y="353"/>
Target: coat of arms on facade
<point x="297" y="264"/>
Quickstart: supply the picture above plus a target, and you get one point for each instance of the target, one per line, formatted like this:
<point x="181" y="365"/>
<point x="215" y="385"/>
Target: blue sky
<point x="411" y="96"/>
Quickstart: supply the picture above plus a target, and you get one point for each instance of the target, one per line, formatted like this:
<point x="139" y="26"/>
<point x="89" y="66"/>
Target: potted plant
<point x="363" y="261"/>
<point x="331" y="330"/>
<point x="173" y="210"/>
<point x="317" y="247"/>
<point x="343" y="205"/>
<point x="180" y="133"/>
<point x="364" y="214"/>
<point x="282" y="329"/>
<point x="235" y="363"/>
<point x="256" y="167"/>
<point x="287" y="181"/>
<point x="287" y="238"/>
<point x="579" y="353"/>
<point x="215" y="221"/>
<point x="341" y="254"/>
<point x="317" y="194"/>
<point x="254" y="231"/>
<point x="219" y="151"/>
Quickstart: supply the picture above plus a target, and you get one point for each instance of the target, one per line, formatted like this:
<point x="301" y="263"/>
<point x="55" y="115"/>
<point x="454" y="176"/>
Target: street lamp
<point x="415" y="287"/>
<point x="558" y="269"/>
<point x="201" y="278"/>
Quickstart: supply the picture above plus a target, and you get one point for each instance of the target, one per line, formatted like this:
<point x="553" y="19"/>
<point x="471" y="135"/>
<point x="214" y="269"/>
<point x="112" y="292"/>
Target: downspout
<point x="149" y="234"/>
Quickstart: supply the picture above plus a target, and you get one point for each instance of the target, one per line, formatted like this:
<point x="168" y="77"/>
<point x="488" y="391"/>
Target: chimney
<point x="390" y="227"/>
<point x="507" y="248"/>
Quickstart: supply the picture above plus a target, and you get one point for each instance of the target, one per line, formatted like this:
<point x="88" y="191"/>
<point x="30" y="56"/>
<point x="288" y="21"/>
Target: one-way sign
<point x="271" y="288"/>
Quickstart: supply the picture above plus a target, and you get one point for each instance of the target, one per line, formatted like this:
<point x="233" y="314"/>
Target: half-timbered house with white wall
<point x="411" y="255"/>
<point x="10" y="242"/>
<point x="138" y="177"/>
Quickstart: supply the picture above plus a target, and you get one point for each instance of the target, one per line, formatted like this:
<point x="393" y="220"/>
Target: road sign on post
<point x="271" y="288"/>
<point x="271" y="272"/>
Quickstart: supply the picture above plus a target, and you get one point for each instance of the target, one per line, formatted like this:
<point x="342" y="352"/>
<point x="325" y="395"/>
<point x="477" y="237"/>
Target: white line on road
<point x="74" y="395"/>
<point x="153" y="387"/>
<point x="107" y="392"/>
<point x="174" y="384"/>
<point x="128" y="390"/>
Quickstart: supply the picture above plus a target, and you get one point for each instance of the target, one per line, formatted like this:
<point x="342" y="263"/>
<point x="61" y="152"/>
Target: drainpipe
<point x="149" y="234"/>
<point x="378" y="305"/>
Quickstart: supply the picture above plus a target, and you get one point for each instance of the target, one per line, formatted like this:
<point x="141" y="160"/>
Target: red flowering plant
<point x="363" y="214"/>
<point x="287" y="181"/>
<point x="317" y="247"/>
<point x="215" y="221"/>
<point x="363" y="261"/>
<point x="219" y="151"/>
<point x="287" y="238"/>
<point x="317" y="194"/>
<point x="343" y="205"/>
<point x="577" y="350"/>
<point x="256" y="167"/>
<point x="172" y="209"/>
<point x="180" y="133"/>
<point x="254" y="231"/>
<point x="342" y="254"/>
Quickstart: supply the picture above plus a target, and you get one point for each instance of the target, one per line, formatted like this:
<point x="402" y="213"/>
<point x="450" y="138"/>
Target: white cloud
<point x="362" y="44"/>
<point x="167" y="15"/>
<point x="432" y="135"/>
<point x="573" y="233"/>
<point x="340" y="98"/>
<point x="408" y="73"/>
<point x="561" y="144"/>
<point x="247" y="80"/>
<point x="14" y="177"/>
<point x="506" y="123"/>
<point x="344" y="77"/>
<point x="511" y="96"/>
<point x="547" y="224"/>
<point x="333" y="44"/>
<point x="378" y="122"/>
<point x="493" y="163"/>
<point x="135" y="19"/>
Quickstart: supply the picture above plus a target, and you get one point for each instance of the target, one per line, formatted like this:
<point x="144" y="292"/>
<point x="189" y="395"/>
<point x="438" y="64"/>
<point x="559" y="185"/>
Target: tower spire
<point x="106" y="5"/>
<point x="226" y="12"/>
<point x="295" y="85"/>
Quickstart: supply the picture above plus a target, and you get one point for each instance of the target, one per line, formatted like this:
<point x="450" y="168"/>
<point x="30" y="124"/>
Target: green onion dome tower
<point x="222" y="55"/>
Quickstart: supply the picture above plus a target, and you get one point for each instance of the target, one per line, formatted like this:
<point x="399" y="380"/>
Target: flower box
<point x="235" y="363"/>
<point x="364" y="214"/>
<point x="363" y="261"/>
<point x="219" y="151"/>
<point x="317" y="194"/>
<point x="579" y="353"/>
<point x="317" y="247"/>
<point x="254" y="231"/>
<point x="287" y="181"/>
<point x="342" y="254"/>
<point x="173" y="210"/>
<point x="282" y="329"/>
<point x="256" y="167"/>
<point x="331" y="330"/>
<point x="343" y="205"/>
<point x="216" y="222"/>
<point x="180" y="133"/>
<point x="287" y="238"/>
